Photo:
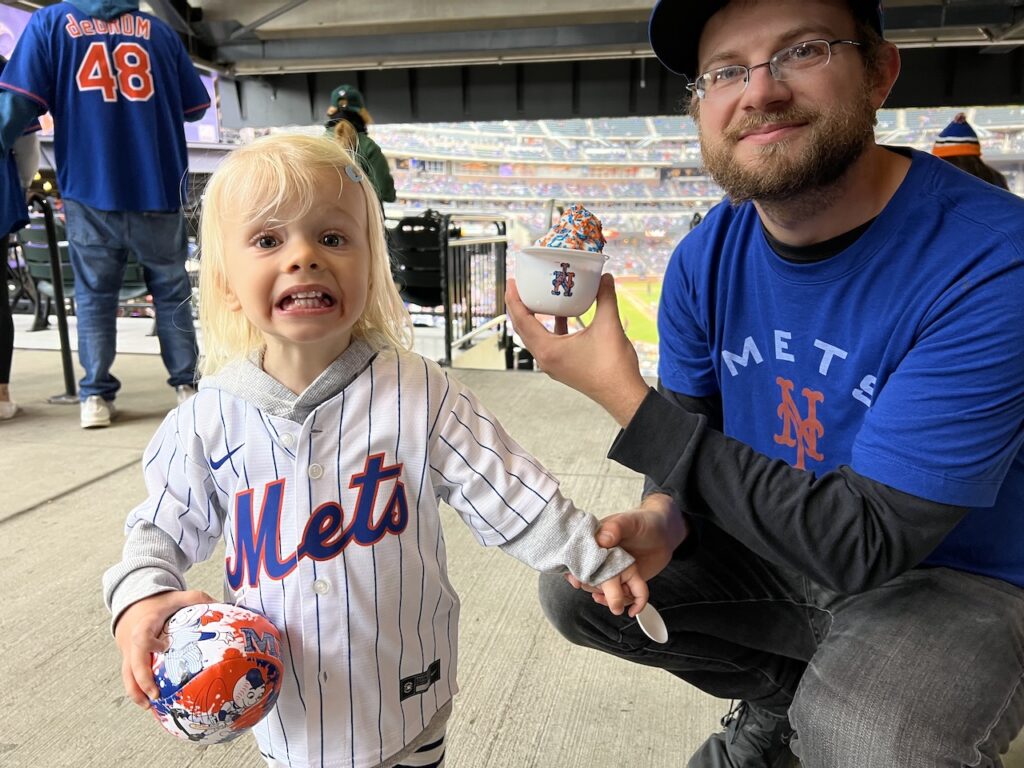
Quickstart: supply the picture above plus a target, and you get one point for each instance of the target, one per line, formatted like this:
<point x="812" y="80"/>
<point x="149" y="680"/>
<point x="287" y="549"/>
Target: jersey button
<point x="316" y="471"/>
<point x="287" y="441"/>
<point x="321" y="586"/>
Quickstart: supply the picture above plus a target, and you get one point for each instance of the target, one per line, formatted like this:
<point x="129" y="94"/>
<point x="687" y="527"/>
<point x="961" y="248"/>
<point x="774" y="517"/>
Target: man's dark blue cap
<point x="676" y="25"/>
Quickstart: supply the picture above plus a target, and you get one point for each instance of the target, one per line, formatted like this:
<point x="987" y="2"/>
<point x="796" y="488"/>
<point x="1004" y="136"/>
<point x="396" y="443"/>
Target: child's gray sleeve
<point x="151" y="563"/>
<point x="177" y="525"/>
<point x="561" y="539"/>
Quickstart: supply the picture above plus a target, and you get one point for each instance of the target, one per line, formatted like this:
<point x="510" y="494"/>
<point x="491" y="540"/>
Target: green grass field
<point x="638" y="307"/>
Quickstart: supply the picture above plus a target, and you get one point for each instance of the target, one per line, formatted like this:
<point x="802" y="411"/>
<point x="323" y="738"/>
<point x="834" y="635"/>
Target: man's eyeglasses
<point x="786" y="64"/>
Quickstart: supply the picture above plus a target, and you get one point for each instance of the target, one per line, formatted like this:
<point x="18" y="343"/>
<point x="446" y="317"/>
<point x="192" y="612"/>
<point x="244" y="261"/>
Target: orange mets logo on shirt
<point x="800" y="426"/>
<point x="800" y="430"/>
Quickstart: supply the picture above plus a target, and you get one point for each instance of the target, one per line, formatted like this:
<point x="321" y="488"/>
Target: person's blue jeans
<point x="98" y="244"/>
<point x="925" y="671"/>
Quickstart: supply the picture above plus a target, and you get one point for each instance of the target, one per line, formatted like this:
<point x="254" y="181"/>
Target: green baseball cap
<point x="348" y="94"/>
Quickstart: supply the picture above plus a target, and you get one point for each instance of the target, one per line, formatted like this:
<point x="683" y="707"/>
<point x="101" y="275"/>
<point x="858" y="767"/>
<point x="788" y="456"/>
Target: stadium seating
<point x="641" y="175"/>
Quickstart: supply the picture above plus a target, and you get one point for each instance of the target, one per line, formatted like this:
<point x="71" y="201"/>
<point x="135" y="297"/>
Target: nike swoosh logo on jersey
<point x="219" y="463"/>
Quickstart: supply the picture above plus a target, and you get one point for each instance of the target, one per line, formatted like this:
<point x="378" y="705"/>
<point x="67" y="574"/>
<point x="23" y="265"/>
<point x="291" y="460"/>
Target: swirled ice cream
<point x="578" y="230"/>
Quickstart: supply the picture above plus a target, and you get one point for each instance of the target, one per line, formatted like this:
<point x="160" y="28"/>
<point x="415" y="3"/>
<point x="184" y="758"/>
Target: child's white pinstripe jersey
<point x="330" y="518"/>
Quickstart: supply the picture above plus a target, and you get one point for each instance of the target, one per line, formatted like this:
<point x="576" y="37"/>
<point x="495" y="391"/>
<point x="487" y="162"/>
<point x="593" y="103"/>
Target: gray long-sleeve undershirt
<point x="840" y="529"/>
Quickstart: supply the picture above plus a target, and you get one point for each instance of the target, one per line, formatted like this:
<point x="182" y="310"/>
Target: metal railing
<point x="69" y="396"/>
<point x="474" y="252"/>
<point x="462" y="267"/>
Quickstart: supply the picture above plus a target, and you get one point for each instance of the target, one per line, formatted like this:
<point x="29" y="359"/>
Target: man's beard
<point x="782" y="172"/>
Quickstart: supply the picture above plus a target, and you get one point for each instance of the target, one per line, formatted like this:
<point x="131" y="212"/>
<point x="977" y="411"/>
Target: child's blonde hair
<point x="279" y="172"/>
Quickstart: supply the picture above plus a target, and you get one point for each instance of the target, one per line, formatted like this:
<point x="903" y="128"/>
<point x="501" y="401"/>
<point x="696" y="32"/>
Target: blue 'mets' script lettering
<point x="258" y="541"/>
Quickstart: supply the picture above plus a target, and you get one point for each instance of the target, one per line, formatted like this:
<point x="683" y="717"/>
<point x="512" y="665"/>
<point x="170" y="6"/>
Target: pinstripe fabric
<point x="352" y="572"/>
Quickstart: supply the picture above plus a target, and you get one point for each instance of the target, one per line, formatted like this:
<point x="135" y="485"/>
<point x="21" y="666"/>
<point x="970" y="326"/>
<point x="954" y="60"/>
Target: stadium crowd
<point x="641" y="175"/>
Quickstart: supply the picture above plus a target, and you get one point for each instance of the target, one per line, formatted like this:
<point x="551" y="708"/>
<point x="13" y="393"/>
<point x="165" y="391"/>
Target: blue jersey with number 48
<point x="119" y="92"/>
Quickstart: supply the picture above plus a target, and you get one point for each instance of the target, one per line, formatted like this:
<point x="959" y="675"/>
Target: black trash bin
<point x="416" y="258"/>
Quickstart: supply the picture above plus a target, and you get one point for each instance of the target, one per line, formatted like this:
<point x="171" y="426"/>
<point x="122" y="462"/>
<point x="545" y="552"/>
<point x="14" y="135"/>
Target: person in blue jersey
<point x="834" y="505"/>
<point x="119" y="84"/>
<point x="19" y="165"/>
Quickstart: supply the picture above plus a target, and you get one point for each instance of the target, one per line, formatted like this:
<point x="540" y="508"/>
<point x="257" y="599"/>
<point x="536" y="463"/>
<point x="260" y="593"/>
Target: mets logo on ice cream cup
<point x="558" y="281"/>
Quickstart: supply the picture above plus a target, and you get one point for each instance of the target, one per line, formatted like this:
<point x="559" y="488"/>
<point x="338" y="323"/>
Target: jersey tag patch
<point x="419" y="683"/>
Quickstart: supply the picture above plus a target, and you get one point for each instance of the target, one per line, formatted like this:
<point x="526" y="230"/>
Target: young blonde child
<point x="318" y="447"/>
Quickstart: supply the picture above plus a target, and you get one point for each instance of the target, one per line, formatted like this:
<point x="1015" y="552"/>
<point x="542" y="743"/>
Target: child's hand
<point x="626" y="589"/>
<point x="140" y="632"/>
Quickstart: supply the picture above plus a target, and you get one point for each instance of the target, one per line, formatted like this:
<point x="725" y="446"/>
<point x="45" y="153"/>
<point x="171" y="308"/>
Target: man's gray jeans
<point x="925" y="671"/>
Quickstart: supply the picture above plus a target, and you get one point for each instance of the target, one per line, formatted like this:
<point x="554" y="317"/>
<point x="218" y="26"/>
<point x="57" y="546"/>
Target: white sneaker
<point x="7" y="409"/>
<point x="184" y="392"/>
<point x="97" y="412"/>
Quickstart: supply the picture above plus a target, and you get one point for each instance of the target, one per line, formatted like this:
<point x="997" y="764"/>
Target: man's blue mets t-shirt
<point x="902" y="356"/>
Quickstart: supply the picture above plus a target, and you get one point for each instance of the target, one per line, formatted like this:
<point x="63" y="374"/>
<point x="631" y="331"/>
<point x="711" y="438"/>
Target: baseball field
<point x="638" y="307"/>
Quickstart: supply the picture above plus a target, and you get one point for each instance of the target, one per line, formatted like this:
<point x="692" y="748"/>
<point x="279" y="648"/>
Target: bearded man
<point x="834" y="506"/>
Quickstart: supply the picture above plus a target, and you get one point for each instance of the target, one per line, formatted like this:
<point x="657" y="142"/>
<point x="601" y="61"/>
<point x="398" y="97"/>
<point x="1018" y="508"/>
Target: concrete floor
<point x="528" y="700"/>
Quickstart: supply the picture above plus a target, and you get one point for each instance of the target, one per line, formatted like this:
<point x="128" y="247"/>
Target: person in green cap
<point x="347" y="118"/>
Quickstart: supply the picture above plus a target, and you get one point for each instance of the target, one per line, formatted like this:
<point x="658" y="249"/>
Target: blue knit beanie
<point x="957" y="139"/>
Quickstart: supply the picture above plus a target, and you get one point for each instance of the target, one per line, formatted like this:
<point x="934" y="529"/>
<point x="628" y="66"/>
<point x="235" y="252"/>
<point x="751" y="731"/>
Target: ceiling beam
<point x="1010" y="32"/>
<point x="241" y="31"/>
<point x="172" y="16"/>
<point x="434" y="48"/>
